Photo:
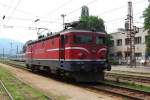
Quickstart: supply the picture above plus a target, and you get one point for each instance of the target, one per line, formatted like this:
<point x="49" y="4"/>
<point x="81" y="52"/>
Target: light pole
<point x="131" y="32"/>
<point x="63" y="17"/>
<point x="3" y="53"/>
<point x="10" y="51"/>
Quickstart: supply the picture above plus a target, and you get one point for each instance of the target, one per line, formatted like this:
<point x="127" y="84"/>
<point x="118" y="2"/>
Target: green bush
<point x="114" y="62"/>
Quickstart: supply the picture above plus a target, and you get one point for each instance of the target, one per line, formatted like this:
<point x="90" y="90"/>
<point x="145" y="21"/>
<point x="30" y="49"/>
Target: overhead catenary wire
<point x="18" y="10"/>
<point x="120" y="18"/>
<point x="29" y="13"/>
<point x="116" y="19"/>
<point x="21" y="11"/>
<point x="34" y="28"/>
<point x="20" y="27"/>
<point x="8" y="7"/>
<point x="14" y="10"/>
<point x="28" y="19"/>
<point x="80" y="7"/>
<point x="117" y="8"/>
<point x="55" y="9"/>
<point x="61" y="6"/>
<point x="108" y="11"/>
<point x="76" y="9"/>
<point x="50" y="21"/>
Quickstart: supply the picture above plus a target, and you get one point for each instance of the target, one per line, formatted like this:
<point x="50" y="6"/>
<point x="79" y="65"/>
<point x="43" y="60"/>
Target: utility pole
<point x="17" y="51"/>
<point x="63" y="17"/>
<point x="10" y="51"/>
<point x="131" y="31"/>
<point x="3" y="53"/>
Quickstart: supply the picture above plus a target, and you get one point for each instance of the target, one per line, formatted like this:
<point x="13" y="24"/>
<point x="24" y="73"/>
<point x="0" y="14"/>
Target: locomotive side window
<point x="100" y="40"/>
<point x="83" y="39"/>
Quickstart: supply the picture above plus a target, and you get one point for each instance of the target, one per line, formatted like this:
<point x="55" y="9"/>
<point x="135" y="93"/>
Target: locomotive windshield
<point x="88" y="39"/>
<point x="83" y="39"/>
<point x="100" y="40"/>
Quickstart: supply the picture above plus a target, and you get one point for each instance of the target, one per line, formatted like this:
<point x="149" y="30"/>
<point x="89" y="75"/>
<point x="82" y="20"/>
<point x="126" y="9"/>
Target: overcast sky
<point x="21" y="14"/>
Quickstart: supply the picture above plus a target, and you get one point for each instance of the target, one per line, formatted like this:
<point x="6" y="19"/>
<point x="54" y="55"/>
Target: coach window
<point x="100" y="40"/>
<point x="83" y="39"/>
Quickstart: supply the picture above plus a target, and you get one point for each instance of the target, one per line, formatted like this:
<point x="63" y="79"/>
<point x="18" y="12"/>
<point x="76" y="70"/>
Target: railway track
<point x="4" y="93"/>
<point x="110" y="75"/>
<point x="121" y="91"/>
<point x="128" y="77"/>
<point x="113" y="89"/>
<point x="22" y="67"/>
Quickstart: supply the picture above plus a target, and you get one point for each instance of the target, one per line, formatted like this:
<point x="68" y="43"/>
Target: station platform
<point x="125" y="68"/>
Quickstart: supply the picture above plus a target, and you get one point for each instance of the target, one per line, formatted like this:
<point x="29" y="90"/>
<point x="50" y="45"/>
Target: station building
<point x="120" y="47"/>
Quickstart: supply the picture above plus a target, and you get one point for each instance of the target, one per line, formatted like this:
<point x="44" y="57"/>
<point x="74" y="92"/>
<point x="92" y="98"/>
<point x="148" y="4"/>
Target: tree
<point x="87" y="22"/>
<point x="146" y="16"/>
<point x="91" y="23"/>
<point x="109" y="41"/>
<point x="148" y="44"/>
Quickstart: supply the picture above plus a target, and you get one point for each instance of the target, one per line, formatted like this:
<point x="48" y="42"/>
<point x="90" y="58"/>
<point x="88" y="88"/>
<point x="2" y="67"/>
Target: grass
<point x="53" y="96"/>
<point x="18" y="89"/>
<point x="130" y="85"/>
<point x="12" y="62"/>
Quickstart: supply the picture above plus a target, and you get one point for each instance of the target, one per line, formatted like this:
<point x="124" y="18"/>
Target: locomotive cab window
<point x="100" y="40"/>
<point x="83" y="39"/>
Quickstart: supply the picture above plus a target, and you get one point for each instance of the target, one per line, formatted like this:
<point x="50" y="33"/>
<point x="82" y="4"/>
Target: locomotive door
<point x="62" y="48"/>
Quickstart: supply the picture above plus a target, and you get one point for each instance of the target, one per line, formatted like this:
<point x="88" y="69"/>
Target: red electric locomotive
<point x="79" y="54"/>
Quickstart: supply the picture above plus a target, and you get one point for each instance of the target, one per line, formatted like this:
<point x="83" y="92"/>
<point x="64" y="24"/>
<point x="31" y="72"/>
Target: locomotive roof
<point x="62" y="33"/>
<point x="75" y="30"/>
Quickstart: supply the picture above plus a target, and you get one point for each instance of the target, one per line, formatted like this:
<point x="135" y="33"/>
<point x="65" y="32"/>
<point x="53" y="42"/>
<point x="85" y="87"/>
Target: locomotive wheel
<point x="34" y="68"/>
<point x="58" y="74"/>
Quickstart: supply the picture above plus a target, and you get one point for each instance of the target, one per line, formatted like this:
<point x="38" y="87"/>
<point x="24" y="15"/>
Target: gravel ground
<point x="59" y="90"/>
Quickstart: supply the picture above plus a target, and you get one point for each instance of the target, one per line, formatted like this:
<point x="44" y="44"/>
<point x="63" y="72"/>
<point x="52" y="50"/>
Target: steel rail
<point x="15" y="65"/>
<point x="128" y="77"/>
<point x="118" y="90"/>
<point x="117" y="76"/>
<point x="121" y="91"/>
<point x="5" y="89"/>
